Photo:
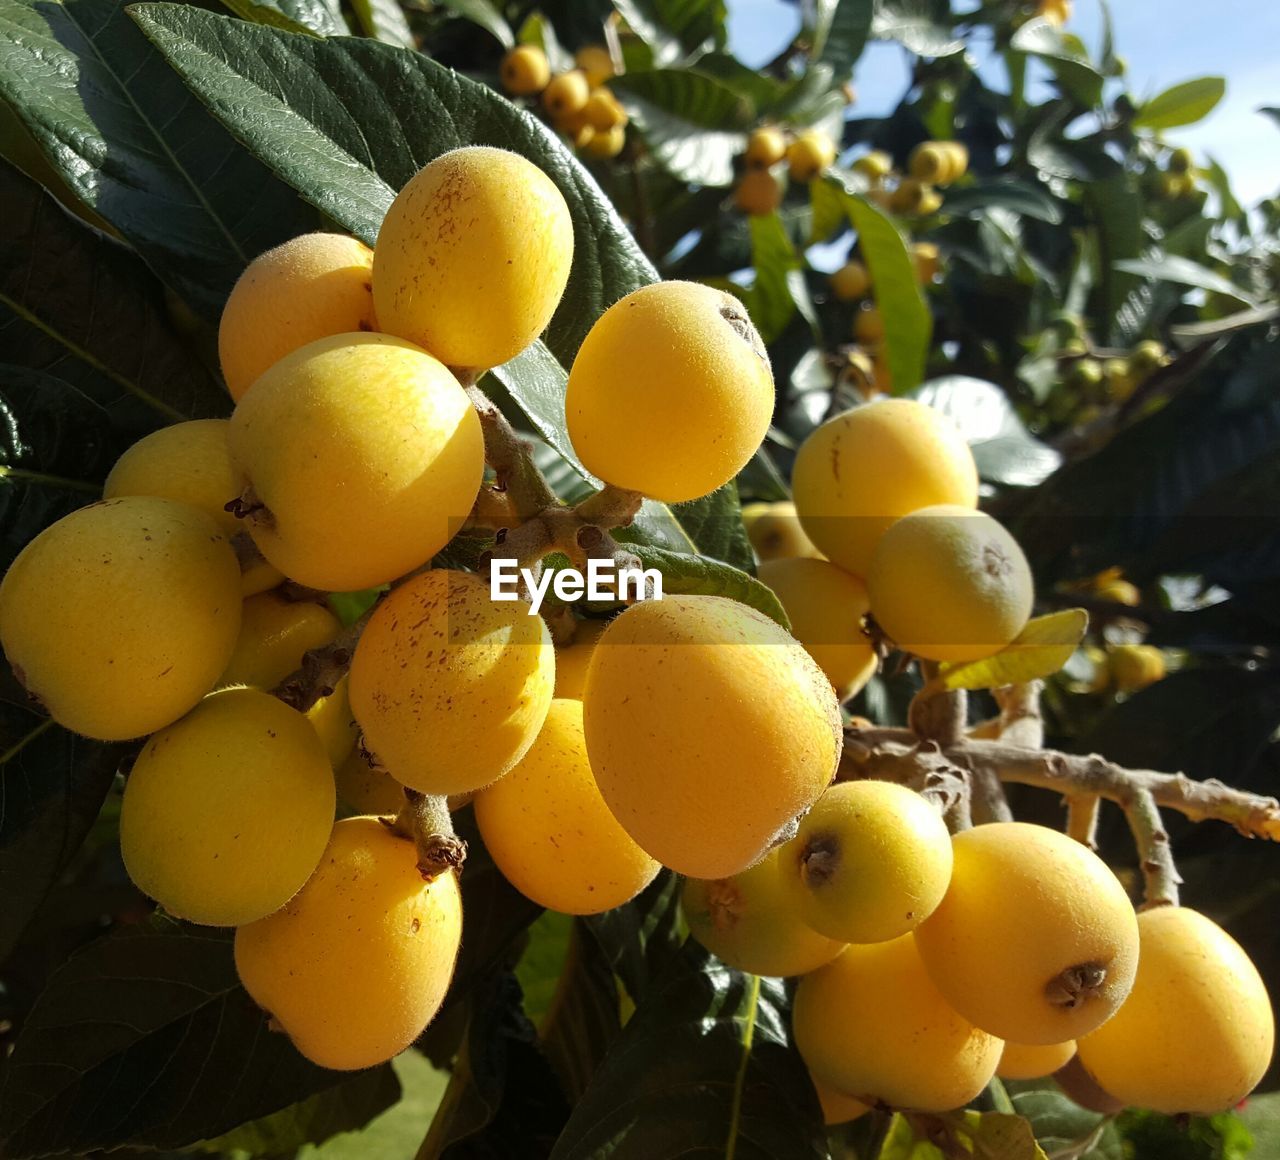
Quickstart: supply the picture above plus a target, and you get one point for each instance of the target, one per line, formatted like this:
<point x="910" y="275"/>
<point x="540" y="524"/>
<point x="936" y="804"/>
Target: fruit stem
<point x="1082" y="818"/>
<point x="518" y="477"/>
<point x="936" y="713"/>
<point x="1155" y="856"/>
<point x="425" y="820"/>
<point x="321" y="669"/>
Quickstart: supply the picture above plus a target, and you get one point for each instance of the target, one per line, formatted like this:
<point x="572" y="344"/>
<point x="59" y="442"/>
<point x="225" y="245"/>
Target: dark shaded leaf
<point x="684" y="575"/>
<point x="1029" y="200"/>
<point x="1185" y="273"/>
<point x="485" y="14"/>
<point x="1183" y="104"/>
<point x="706" y="1068"/>
<point x="140" y="148"/>
<point x="1117" y="208"/>
<point x="146" y="1038"/>
<point x="315" y="16"/>
<point x="693" y="23"/>
<point x="695" y="97"/>
<point x="1059" y="1123"/>
<point x="384" y="20"/>
<point x="640" y="939"/>
<point x="714" y="525"/>
<point x="846" y="32"/>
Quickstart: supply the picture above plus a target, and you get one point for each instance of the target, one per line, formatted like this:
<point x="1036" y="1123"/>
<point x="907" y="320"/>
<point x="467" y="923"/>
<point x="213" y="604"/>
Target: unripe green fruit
<point x="1036" y="940"/>
<point x="1197" y="1032"/>
<point x="226" y="812"/>
<point x="450" y="687"/>
<point x="275" y="633"/>
<point x="308" y="288"/>
<point x="825" y="607"/>
<point x="524" y="71"/>
<point x="366" y="456"/>
<point x="862" y="470"/>
<point x="1146" y="357"/>
<point x="1086" y="375"/>
<point x="549" y="831"/>
<point x="873" y="1024"/>
<point x="187" y="462"/>
<point x="709" y="729"/>
<point x="671" y="392"/>
<point x="749" y="922"/>
<point x="1181" y="160"/>
<point x="473" y="256"/>
<point x="357" y="964"/>
<point x="870" y="862"/>
<point x="950" y="584"/>
<point x="119" y="617"/>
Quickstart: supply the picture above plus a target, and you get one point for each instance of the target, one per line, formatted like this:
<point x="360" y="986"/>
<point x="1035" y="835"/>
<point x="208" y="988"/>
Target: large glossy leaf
<point x="139" y="147"/>
<point x="67" y="296"/>
<point x="706" y="1069"/>
<point x="914" y="25"/>
<point x="695" y="97"/>
<point x="485" y="14"/>
<point x="1059" y="1124"/>
<point x="684" y="575"/>
<point x="384" y="20"/>
<point x="692" y="154"/>
<point x="1183" y="104"/>
<point x="692" y="23"/>
<point x="640" y="939"/>
<point x="347" y="122"/>
<point x="1186" y="273"/>
<point x="1029" y="200"/>
<point x="315" y="16"/>
<point x="770" y="301"/>
<point x="1043" y="646"/>
<point x="146" y="1038"/>
<point x="1117" y="208"/>
<point x="844" y="27"/>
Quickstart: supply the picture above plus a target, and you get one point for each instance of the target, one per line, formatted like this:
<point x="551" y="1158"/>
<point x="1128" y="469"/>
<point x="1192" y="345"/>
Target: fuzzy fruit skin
<point x="187" y="462"/>
<point x="120" y="616"/>
<point x="862" y="470"/>
<point x="572" y="660"/>
<point x="383" y="460"/>
<point x="873" y="1024"/>
<point x="748" y="921"/>
<point x="870" y="862"/>
<point x="775" y="532"/>
<point x="549" y="831"/>
<point x="1029" y="1061"/>
<point x="450" y="688"/>
<point x="709" y="728"/>
<point x="473" y="256"/>
<point x="226" y="812"/>
<point x="1027" y="903"/>
<point x="950" y="584"/>
<point x="365" y="790"/>
<point x="1197" y="1032"/>
<point x="357" y="964"/>
<point x="308" y="288"/>
<point x="825" y="607"/>
<point x="671" y="392"/>
<point x="524" y="71"/>
<point x="757" y="192"/>
<point x="274" y="635"/>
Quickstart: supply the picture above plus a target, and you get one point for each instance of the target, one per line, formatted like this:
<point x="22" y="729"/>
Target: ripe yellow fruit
<point x="809" y="154"/>
<point x="958" y="154"/>
<point x="749" y="922"/>
<point x="119" y="617"/>
<point x="862" y="470"/>
<point x="596" y="62"/>
<point x="357" y="964"/>
<point x="868" y="326"/>
<point x="671" y="393"/>
<point x="775" y="532"/>
<point x="606" y="143"/>
<point x="604" y="112"/>
<point x="274" y="635"/>
<point x="950" y="584"/>
<point x="838" y="1108"/>
<point x="1135" y="666"/>
<point x="1120" y="592"/>
<point x="450" y="688"/>
<point x="875" y="165"/>
<point x="851" y="281"/>
<point x="549" y="831"/>
<point x="366" y="456"/>
<point x="757" y="193"/>
<point x="1197" y="1031"/>
<point x="187" y="462"/>
<point x="870" y="862"/>
<point x="765" y="147"/>
<point x="1036" y="940"/>
<point x="524" y="71"/>
<point x="927" y="262"/>
<point x="573" y="658"/>
<point x="825" y="607"/>
<point x="709" y="729"/>
<point x="873" y="1024"/>
<point x="473" y="256"/>
<point x="365" y="790"/>
<point x="1030" y="1061"/>
<point x="566" y="93"/>
<point x="332" y="719"/>
<point x="308" y="288"/>
<point x="227" y="811"/>
<point x="930" y="162"/>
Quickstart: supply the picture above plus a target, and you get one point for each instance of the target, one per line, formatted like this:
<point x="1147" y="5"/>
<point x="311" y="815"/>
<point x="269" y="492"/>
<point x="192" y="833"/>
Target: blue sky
<point x="1164" y="41"/>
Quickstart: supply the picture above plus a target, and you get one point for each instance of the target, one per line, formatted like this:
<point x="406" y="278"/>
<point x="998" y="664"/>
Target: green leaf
<point x="1183" y="104"/>
<point x="1065" y="54"/>
<point x="706" y="1069"/>
<point x="773" y="257"/>
<point x="138" y="147"/>
<point x="349" y="121"/>
<point x="907" y="321"/>
<point x="1060" y="1124"/>
<point x="693" y="23"/>
<point x="698" y="576"/>
<point x="912" y="24"/>
<point x="1243" y="320"/>
<point x="692" y="154"/>
<point x="145" y="1038"/>
<point x="67" y="295"/>
<point x="314" y="16"/>
<point x="714" y="525"/>
<point x="641" y="938"/>
<point x="1230" y="208"/>
<point x="384" y="20"/>
<point x="1043" y="646"/>
<point x="1117" y="208"/>
<point x="842" y="32"/>
<point x="695" y="97"/>
<point x="997" y="1136"/>
<point x="1021" y="197"/>
<point x="1186" y="273"/>
<point x="486" y="15"/>
<point x="543" y="961"/>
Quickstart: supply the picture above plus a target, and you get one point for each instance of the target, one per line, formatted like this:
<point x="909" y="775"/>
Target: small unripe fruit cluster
<point x="1087" y="384"/>
<point x="579" y="103"/>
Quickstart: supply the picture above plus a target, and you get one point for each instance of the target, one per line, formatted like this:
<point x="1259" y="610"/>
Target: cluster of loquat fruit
<point x="1090" y="381"/>
<point x="806" y="154"/>
<point x="578" y="102"/>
